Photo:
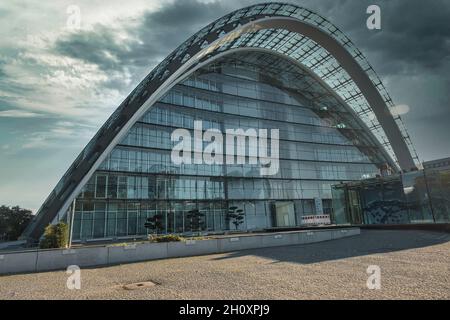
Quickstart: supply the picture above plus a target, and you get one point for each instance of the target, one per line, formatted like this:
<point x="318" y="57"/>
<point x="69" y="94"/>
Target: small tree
<point x="154" y="224"/>
<point x="13" y="221"/>
<point x="55" y="236"/>
<point x="236" y="216"/>
<point x="196" y="219"/>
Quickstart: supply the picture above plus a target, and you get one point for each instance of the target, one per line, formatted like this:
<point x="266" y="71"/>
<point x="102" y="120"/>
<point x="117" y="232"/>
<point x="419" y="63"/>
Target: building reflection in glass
<point x="410" y="198"/>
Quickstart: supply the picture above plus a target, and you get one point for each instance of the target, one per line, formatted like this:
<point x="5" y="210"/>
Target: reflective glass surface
<point x="138" y="179"/>
<point x="419" y="197"/>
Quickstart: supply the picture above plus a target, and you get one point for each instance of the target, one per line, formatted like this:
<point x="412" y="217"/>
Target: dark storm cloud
<point x="2" y="66"/>
<point x="99" y="46"/>
<point x="415" y="35"/>
<point x="164" y="30"/>
<point x="157" y="34"/>
<point x="421" y="35"/>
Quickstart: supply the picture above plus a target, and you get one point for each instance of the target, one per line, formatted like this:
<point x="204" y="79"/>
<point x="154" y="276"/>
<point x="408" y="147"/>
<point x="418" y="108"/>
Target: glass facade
<point x="318" y="148"/>
<point x="326" y="115"/>
<point x="410" y="198"/>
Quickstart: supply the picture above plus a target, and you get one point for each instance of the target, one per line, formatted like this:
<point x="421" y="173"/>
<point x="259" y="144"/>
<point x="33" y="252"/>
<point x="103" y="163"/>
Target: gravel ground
<point x="414" y="265"/>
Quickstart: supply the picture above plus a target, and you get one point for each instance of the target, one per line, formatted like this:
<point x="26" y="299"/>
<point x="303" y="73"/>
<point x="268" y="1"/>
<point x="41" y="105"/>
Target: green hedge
<point x="55" y="236"/>
<point x="166" y="238"/>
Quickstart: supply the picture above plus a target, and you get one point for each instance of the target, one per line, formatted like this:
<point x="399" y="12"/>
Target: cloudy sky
<point x="59" y="84"/>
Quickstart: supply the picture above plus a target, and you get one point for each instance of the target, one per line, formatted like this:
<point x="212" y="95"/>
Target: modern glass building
<point x="268" y="66"/>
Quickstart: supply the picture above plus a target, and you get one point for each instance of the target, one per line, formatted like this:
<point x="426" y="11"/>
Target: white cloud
<point x="37" y="141"/>
<point x="400" y="109"/>
<point x="18" y="114"/>
<point x="63" y="133"/>
<point x="60" y="85"/>
<point x="40" y="80"/>
<point x="70" y="124"/>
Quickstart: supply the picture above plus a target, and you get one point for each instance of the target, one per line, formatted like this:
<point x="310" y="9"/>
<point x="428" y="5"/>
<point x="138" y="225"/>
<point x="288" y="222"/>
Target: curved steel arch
<point x="360" y="78"/>
<point x="211" y="42"/>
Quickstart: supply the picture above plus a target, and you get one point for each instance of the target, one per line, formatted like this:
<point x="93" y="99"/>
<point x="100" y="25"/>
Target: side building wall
<point x="419" y="197"/>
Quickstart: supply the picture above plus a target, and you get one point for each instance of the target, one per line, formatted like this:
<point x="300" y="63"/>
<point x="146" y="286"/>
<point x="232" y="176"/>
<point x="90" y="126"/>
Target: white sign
<point x="316" y="220"/>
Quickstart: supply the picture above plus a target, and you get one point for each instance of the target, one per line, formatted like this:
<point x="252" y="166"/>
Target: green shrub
<point x="166" y="238"/>
<point x="55" y="236"/>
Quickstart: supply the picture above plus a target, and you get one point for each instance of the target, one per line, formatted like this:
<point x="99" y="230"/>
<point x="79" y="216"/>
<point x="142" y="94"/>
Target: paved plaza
<point x="414" y="265"/>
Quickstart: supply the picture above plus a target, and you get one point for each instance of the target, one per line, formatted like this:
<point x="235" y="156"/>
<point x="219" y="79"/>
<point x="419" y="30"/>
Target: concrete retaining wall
<point x="47" y="260"/>
<point x="11" y="244"/>
<point x="136" y="252"/>
<point x="61" y="259"/>
<point x="18" y="262"/>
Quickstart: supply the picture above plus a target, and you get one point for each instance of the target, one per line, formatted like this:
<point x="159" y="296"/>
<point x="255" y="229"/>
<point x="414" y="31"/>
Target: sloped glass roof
<point x="302" y="49"/>
<point x="319" y="98"/>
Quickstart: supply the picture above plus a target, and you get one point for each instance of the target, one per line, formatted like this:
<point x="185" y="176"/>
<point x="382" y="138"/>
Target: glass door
<point x="354" y="207"/>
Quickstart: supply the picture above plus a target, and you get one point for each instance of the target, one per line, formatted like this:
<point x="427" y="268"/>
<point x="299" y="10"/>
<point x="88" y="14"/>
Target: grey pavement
<point x="414" y="265"/>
